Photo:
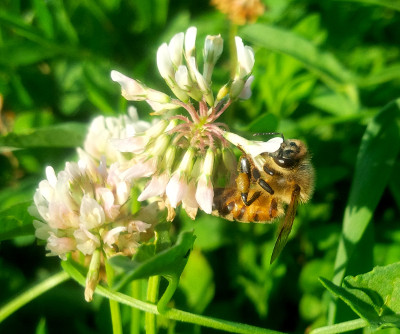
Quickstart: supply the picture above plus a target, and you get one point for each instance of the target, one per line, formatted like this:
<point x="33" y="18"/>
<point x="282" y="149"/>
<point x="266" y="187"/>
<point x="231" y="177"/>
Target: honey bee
<point x="286" y="178"/>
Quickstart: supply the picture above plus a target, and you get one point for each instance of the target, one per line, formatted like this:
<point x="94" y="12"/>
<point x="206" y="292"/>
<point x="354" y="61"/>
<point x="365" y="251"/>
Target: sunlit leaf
<point x="379" y="149"/>
<point x="374" y="296"/>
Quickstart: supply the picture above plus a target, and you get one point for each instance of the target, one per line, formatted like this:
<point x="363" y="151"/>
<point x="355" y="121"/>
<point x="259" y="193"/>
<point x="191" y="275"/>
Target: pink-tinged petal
<point x="155" y="187"/>
<point x="176" y="189"/>
<point x="135" y="144"/>
<point x="131" y="89"/>
<point x="61" y="217"/>
<point x="189" y="202"/>
<point x="106" y="197"/>
<point x="86" y="241"/>
<point x="205" y="194"/>
<point x="91" y="213"/>
<point x="60" y="246"/>
<point x="123" y="192"/>
<point x="138" y="226"/>
<point x="140" y="169"/>
<point x="111" y="236"/>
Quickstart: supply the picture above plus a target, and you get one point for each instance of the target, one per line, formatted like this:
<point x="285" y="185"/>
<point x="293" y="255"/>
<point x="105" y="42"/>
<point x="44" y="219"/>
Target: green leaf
<point x="379" y="149"/>
<point x="321" y="62"/>
<point x="166" y="262"/>
<point x="374" y="296"/>
<point x="45" y="20"/>
<point x="15" y="221"/>
<point x="26" y="53"/>
<point x="197" y="282"/>
<point x="63" y="135"/>
<point x="392" y="4"/>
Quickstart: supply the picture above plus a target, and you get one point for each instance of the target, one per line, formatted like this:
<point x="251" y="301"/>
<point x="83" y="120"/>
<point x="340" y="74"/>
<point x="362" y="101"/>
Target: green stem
<point x="114" y="305"/>
<point x="136" y="288"/>
<point x="167" y="295"/>
<point x="31" y="294"/>
<point x="152" y="297"/>
<point x="341" y="327"/>
<point x="233" y="29"/>
<point x="174" y="314"/>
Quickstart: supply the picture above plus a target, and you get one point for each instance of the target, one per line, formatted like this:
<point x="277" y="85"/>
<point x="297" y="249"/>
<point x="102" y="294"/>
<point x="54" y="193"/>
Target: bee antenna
<point x="269" y="134"/>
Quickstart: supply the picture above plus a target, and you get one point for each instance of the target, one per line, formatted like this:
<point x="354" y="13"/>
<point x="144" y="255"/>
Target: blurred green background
<point x="323" y="72"/>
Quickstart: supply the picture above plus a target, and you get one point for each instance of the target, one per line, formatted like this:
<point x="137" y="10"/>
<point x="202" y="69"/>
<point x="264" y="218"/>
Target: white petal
<point x="140" y="169"/>
<point x="246" y="91"/>
<point x="176" y="189"/>
<point x="135" y="144"/>
<point x="138" y="226"/>
<point x="175" y="48"/>
<point x="164" y="62"/>
<point x="254" y="148"/>
<point x="182" y="77"/>
<point x="159" y="108"/>
<point x="91" y="213"/>
<point x="131" y="89"/>
<point x="205" y="194"/>
<point x="155" y="187"/>
<point x="190" y="41"/>
<point x="51" y="176"/>
<point x="111" y="236"/>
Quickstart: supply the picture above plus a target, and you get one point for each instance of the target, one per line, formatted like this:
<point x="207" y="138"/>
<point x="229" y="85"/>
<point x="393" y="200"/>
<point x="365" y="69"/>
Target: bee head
<point x="291" y="152"/>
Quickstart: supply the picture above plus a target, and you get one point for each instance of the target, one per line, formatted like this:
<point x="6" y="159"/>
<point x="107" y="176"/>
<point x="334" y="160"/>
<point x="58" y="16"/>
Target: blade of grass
<point x="392" y="4"/>
<point x="378" y="151"/>
<point x="324" y="64"/>
<point x="31" y="294"/>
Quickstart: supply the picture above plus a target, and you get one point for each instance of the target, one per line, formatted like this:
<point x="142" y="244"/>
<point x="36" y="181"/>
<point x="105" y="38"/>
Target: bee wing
<point x="286" y="226"/>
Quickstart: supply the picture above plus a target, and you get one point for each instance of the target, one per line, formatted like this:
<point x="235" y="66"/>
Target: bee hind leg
<point x="252" y="199"/>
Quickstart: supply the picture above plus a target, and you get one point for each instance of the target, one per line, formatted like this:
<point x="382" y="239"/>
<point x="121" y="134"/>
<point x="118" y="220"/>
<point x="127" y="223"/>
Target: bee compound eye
<point x="285" y="162"/>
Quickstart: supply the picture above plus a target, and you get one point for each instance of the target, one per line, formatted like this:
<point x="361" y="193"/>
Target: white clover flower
<point x="102" y="130"/>
<point x="178" y="154"/>
<point x="85" y="208"/>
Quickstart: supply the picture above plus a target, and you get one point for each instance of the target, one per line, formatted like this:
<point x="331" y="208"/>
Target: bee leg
<point x="263" y="184"/>
<point x="243" y="180"/>
<point x="252" y="199"/>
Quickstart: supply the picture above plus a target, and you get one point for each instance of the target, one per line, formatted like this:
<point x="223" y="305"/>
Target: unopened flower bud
<point x="236" y="88"/>
<point x="92" y="277"/>
<point x="223" y="92"/>
<point x="160" y="145"/>
<point x="213" y="47"/>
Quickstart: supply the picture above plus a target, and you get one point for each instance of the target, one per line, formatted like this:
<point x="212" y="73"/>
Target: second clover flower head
<point x="180" y="154"/>
<point x="85" y="209"/>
